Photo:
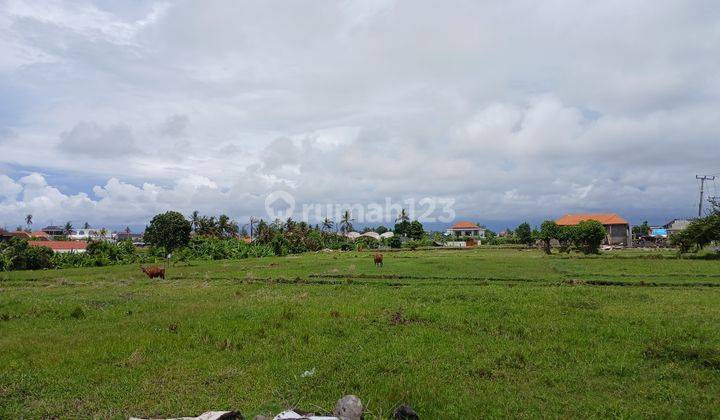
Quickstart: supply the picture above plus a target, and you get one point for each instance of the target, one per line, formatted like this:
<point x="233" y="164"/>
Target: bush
<point x="698" y="234"/>
<point x="17" y="254"/>
<point x="366" y="243"/>
<point x="588" y="235"/>
<point x="213" y="248"/>
<point x="394" y="242"/>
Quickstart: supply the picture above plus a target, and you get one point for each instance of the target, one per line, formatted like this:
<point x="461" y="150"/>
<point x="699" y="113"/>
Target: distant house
<point x="34" y="236"/>
<point x="39" y="235"/>
<point x="19" y="234"/>
<point x="85" y="234"/>
<point x="676" y="225"/>
<point x="136" y="238"/>
<point x="617" y="229"/>
<point x="54" y="230"/>
<point x="62" y="247"/>
<point x="466" y="229"/>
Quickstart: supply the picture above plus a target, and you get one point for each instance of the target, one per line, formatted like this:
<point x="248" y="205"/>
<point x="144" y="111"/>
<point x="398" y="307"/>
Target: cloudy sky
<point x="113" y="111"/>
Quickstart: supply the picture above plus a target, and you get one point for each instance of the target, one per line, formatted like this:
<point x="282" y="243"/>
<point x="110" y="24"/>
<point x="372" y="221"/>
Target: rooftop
<point x="465" y="225"/>
<point x="60" y="245"/>
<point x="604" y="218"/>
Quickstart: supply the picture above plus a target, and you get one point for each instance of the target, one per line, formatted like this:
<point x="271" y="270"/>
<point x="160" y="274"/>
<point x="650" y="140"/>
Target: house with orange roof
<point x="466" y="229"/>
<point x="617" y="228"/>
<point x="62" y="247"/>
<point x="39" y="235"/>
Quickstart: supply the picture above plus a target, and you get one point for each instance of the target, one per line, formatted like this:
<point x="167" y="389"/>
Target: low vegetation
<point x="512" y="332"/>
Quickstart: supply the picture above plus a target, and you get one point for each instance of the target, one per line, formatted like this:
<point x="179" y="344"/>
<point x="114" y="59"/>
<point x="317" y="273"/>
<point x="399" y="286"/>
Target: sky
<point x="114" y="111"/>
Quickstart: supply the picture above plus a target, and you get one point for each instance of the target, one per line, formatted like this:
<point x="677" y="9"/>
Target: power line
<point x="702" y="179"/>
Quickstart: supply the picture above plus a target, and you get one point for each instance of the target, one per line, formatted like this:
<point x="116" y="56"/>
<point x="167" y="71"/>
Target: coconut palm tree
<point x="86" y="225"/>
<point x="327" y="224"/>
<point x="127" y="229"/>
<point x="403" y="216"/>
<point x="68" y="228"/>
<point x="346" y="222"/>
<point x="28" y="220"/>
<point x="195" y="220"/>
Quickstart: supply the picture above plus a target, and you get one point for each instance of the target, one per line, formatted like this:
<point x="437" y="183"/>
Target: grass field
<point x="452" y="333"/>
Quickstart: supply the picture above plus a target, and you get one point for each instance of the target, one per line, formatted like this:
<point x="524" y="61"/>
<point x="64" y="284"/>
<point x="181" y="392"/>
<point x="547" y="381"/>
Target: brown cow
<point x="153" y="272"/>
<point x="378" y="259"/>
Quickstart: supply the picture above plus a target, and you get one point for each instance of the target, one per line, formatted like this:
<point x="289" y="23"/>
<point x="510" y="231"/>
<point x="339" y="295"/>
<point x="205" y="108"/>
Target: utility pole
<point x="702" y="179"/>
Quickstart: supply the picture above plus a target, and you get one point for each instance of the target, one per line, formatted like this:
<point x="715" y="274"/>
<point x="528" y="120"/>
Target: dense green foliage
<point x="588" y="235"/>
<point x="642" y="229"/>
<point x="549" y="230"/>
<point x="169" y="231"/>
<point x="17" y="254"/>
<point x="524" y="234"/>
<point x="699" y="234"/>
<point x="514" y="332"/>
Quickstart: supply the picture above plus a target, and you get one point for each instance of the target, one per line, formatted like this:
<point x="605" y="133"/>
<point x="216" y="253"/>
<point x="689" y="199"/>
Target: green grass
<point x="505" y="332"/>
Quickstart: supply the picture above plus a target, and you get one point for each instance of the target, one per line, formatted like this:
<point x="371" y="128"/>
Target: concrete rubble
<point x="348" y="407"/>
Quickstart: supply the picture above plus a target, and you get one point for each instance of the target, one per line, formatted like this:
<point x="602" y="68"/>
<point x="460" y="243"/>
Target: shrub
<point x="17" y="254"/>
<point x="394" y="242"/>
<point x="588" y="235"/>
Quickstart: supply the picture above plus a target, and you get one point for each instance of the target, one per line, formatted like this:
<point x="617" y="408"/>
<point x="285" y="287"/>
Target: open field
<point x="496" y="332"/>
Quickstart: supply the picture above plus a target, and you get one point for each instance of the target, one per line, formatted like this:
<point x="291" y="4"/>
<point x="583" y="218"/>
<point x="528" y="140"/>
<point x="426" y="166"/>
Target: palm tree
<point x="86" y="225"/>
<point x="346" y="222"/>
<point x="68" y="228"/>
<point x="28" y="220"/>
<point x="289" y="225"/>
<point x="403" y="216"/>
<point x="127" y="229"/>
<point x="327" y="224"/>
<point x="195" y="220"/>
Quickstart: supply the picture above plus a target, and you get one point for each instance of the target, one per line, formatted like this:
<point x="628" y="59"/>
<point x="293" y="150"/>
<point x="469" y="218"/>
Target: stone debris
<point x="209" y="415"/>
<point x="349" y="407"/>
<point x="405" y="412"/>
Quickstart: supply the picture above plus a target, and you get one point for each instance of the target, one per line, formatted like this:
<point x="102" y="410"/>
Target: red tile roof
<point x="465" y="225"/>
<point x="19" y="234"/>
<point x="604" y="218"/>
<point x="40" y="235"/>
<point x="60" y="245"/>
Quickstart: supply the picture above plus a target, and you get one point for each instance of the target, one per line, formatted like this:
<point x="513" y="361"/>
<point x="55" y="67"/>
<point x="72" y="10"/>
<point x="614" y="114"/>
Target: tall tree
<point x="169" y="230"/>
<point x="68" y="228"/>
<point x="195" y="220"/>
<point x="524" y="233"/>
<point x="86" y="225"/>
<point x="346" y="222"/>
<point x="28" y="221"/>
<point x="403" y="216"/>
<point x="549" y="230"/>
<point x="327" y="224"/>
<point x="127" y="229"/>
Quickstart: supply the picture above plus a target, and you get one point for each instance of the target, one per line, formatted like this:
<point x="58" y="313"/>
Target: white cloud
<point x="517" y="110"/>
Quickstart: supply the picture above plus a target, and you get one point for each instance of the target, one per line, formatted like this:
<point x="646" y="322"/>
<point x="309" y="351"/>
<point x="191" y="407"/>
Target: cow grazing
<point x="378" y="260"/>
<point x="153" y="272"/>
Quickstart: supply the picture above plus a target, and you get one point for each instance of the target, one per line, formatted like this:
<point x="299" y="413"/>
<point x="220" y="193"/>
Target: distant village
<point x="619" y="233"/>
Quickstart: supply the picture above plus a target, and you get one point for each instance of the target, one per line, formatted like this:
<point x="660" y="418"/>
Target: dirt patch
<point x="398" y="319"/>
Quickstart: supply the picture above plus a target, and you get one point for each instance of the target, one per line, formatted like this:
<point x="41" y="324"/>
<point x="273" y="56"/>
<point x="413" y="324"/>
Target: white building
<point x="85" y="234"/>
<point x="466" y="230"/>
